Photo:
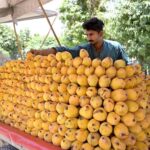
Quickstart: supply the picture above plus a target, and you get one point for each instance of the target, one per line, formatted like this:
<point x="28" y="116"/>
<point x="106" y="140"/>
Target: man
<point x="97" y="46"/>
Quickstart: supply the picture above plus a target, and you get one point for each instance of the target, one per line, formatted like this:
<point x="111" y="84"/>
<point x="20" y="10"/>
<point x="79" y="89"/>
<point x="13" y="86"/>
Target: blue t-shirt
<point x="110" y="48"/>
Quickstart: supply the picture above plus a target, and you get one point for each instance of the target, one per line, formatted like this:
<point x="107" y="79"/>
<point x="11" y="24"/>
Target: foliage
<point x="7" y="41"/>
<point x="130" y="25"/>
<point x="73" y="14"/>
<point x="36" y="42"/>
<point x="28" y="41"/>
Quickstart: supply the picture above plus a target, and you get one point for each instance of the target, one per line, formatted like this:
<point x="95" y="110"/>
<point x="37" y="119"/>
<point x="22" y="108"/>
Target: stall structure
<point x="19" y="10"/>
<point x="22" y="140"/>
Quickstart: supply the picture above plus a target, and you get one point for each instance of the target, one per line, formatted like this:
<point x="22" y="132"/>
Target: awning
<point x="15" y="10"/>
<point x="29" y="16"/>
<point x="10" y="10"/>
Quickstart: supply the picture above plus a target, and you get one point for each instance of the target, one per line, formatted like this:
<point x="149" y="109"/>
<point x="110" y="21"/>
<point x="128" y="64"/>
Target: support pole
<point x="47" y="34"/>
<point x="41" y="5"/>
<point x="17" y="40"/>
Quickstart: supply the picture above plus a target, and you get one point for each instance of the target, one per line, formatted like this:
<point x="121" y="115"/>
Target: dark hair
<point x="93" y="24"/>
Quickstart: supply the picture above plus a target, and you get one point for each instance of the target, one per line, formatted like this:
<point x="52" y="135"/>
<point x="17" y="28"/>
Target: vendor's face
<point x="93" y="36"/>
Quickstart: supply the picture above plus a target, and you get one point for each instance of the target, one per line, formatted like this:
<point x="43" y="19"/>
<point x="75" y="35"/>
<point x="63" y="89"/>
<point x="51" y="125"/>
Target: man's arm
<point x="44" y="52"/>
<point x="74" y="51"/>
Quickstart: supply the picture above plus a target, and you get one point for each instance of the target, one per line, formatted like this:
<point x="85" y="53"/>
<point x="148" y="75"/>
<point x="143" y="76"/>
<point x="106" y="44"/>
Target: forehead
<point x="90" y="32"/>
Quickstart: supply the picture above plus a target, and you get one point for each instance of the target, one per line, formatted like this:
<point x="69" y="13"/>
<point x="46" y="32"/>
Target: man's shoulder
<point x="112" y="43"/>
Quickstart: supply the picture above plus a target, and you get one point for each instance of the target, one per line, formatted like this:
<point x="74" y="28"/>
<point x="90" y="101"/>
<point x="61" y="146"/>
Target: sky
<point x="41" y="25"/>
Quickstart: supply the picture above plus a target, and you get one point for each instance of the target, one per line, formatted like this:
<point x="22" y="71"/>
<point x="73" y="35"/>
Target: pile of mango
<point x="77" y="103"/>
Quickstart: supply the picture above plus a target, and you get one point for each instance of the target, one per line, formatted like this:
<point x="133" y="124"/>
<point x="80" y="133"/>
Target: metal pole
<point x="41" y="5"/>
<point x="47" y="34"/>
<point x="17" y="40"/>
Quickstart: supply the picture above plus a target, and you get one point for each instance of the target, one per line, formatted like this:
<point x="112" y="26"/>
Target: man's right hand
<point x="45" y="52"/>
<point x="35" y="52"/>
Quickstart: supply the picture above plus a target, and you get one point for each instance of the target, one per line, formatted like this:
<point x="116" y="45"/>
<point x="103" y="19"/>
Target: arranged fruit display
<point x="77" y="103"/>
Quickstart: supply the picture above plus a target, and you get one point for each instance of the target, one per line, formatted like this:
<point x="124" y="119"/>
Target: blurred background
<point x="126" y="21"/>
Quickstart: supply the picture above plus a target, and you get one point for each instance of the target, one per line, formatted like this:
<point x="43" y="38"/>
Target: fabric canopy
<point x="32" y="15"/>
<point x="16" y="10"/>
<point x="21" y="9"/>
